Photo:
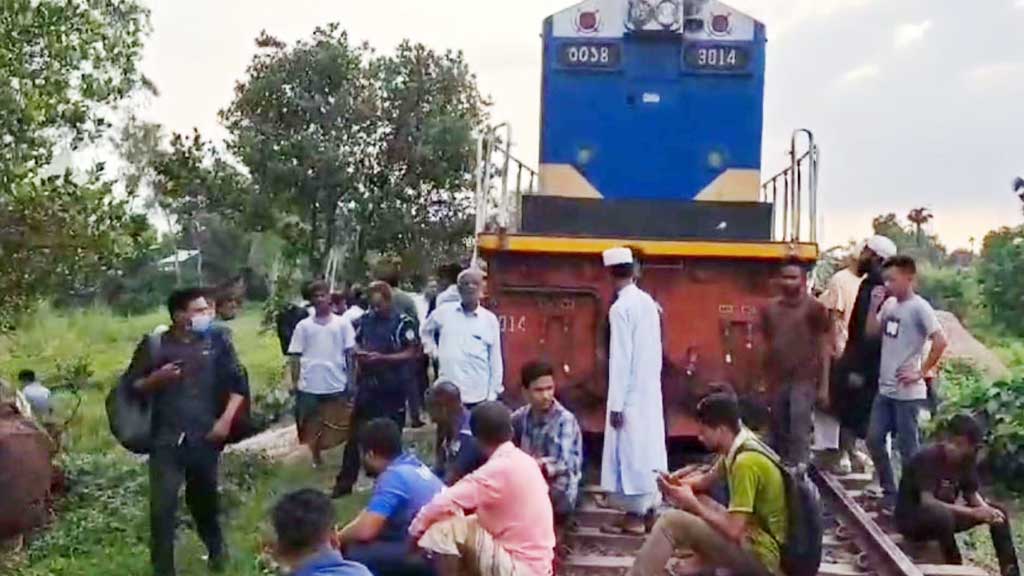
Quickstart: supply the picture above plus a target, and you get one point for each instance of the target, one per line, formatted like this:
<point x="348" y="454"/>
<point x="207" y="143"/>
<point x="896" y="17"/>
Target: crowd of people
<point x="854" y="366"/>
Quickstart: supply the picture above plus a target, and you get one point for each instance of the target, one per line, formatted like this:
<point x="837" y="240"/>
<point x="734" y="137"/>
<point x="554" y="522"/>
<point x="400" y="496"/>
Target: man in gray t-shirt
<point x="906" y="323"/>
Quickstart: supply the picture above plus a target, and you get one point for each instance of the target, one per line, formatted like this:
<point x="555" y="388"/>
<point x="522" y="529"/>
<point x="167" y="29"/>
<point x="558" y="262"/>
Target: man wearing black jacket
<point x="855" y="382"/>
<point x="194" y="381"/>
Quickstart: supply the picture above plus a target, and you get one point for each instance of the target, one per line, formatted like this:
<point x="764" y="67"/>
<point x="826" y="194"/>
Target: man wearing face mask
<point x="193" y="379"/>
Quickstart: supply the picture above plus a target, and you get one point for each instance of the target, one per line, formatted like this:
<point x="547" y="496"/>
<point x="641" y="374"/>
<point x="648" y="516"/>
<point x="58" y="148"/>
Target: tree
<point x="919" y="217"/>
<point x="999" y="273"/>
<point x="350" y="149"/>
<point x="1018" y="189"/>
<point x="65" y="65"/>
<point x="187" y="180"/>
<point x="926" y="250"/>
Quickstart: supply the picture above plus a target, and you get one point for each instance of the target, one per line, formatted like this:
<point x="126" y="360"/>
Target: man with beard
<point x="856" y="381"/>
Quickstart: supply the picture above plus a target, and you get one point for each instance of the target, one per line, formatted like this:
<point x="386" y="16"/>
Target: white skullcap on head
<point x="882" y="246"/>
<point x="617" y="256"/>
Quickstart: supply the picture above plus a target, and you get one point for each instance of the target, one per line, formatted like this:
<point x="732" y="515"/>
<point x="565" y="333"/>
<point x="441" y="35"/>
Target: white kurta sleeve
<point x="620" y="359"/>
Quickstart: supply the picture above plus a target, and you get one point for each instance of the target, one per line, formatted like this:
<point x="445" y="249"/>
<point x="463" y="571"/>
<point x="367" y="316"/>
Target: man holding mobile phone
<point x="194" y="381"/>
<point x="387" y="343"/>
<point x="742" y="537"/>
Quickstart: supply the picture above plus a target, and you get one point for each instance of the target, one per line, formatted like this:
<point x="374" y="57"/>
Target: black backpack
<point x="801" y="553"/>
<point x="130" y="412"/>
<point x="287" y="319"/>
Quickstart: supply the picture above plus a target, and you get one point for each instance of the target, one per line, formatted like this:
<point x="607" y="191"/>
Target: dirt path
<point x="964" y="346"/>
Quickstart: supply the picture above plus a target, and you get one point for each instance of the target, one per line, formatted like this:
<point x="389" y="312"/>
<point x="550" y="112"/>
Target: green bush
<point x="950" y="289"/>
<point x="1001" y="277"/>
<point x="1000" y="406"/>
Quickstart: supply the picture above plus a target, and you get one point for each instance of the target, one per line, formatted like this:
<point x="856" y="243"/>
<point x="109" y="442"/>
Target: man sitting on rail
<point x="547" y="431"/>
<point x="743" y="538"/>
<point x="927" y="509"/>
<point x="379" y="536"/>
<point x="511" y="531"/>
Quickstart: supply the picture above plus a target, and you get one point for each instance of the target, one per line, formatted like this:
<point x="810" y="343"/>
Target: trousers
<point x="385" y="558"/>
<point x="368" y="406"/>
<point x="792" y="422"/>
<point x="195" y="466"/>
<point x="676" y="530"/>
<point x="932" y="521"/>
<point x="891" y="416"/>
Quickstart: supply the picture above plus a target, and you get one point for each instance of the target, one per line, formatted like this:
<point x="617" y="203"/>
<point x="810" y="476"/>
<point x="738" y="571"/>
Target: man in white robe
<point x="634" y="440"/>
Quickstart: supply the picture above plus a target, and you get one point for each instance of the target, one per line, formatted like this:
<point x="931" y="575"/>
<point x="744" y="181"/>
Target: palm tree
<point x="919" y="217"/>
<point x="1018" y="188"/>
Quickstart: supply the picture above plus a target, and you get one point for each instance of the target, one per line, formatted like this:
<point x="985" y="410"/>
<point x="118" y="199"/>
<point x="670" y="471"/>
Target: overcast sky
<point x="914" y="102"/>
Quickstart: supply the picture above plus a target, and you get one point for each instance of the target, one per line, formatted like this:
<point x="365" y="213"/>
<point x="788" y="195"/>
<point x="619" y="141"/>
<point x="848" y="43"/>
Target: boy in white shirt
<point x="321" y="364"/>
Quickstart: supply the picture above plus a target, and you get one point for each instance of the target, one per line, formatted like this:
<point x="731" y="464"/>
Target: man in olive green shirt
<point x="746" y="537"/>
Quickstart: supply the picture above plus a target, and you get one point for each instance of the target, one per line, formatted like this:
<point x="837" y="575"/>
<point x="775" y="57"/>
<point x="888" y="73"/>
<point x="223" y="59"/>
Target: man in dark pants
<point x="798" y="352"/>
<point x="927" y="507"/>
<point x="855" y="383"/>
<point x="387" y="344"/>
<point x="403" y="303"/>
<point x="194" y="381"/>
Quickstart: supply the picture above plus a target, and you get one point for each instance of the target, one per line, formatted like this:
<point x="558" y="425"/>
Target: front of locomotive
<point x="652" y="113"/>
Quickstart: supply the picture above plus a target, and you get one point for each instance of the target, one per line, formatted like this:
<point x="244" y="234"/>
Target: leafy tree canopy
<point x="348" y="148"/>
<point x="64" y="65"/>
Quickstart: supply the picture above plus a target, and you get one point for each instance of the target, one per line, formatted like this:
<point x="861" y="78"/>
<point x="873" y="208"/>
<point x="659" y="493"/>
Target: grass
<point x="101" y="526"/>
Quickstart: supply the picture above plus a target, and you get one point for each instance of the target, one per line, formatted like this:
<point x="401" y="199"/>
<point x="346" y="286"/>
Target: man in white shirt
<point x="469" y="344"/>
<point x="634" y="439"/>
<point x="321" y="364"/>
<point x="355" y="302"/>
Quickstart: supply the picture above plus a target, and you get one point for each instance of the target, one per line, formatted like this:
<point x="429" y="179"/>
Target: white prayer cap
<point x="881" y="246"/>
<point x="617" y="256"/>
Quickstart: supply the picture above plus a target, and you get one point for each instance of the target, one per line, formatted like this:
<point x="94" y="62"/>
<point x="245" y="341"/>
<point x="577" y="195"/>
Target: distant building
<point x="181" y="257"/>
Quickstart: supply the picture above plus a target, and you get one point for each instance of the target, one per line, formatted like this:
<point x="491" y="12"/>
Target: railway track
<point x="858" y="542"/>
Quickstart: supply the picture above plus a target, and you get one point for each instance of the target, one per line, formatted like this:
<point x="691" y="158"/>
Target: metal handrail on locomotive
<point x="652" y="114"/>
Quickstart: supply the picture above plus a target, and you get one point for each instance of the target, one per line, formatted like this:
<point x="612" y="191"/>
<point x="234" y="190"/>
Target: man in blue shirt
<point x="387" y="342"/>
<point x="304" y="523"/>
<point x="379" y="535"/>
<point x="456" y="450"/>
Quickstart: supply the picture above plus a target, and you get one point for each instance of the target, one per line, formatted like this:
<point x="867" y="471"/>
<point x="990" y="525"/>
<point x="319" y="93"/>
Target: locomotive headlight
<point x="716" y="160"/>
<point x="667" y="14"/>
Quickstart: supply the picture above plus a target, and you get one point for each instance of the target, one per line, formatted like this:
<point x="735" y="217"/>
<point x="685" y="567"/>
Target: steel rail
<point x="885" y="556"/>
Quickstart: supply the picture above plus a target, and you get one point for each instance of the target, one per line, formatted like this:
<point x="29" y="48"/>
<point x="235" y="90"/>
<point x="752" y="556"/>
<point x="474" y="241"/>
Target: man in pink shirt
<point x="511" y="532"/>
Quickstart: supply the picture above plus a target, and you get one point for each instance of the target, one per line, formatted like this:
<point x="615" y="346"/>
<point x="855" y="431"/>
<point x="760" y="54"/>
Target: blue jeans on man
<point x="898" y="417"/>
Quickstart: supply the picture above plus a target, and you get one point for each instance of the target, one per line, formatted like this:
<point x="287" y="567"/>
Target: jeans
<point x="368" y="406"/>
<point x="891" y="416"/>
<point x="195" y="466"/>
<point x="792" y="422"/>
<point x="931" y="521"/>
<point x="677" y="529"/>
<point x="384" y="558"/>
